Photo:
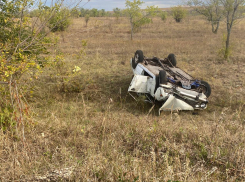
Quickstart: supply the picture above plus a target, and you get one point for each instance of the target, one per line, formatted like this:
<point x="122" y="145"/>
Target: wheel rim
<point x="136" y="58"/>
<point x="202" y="89"/>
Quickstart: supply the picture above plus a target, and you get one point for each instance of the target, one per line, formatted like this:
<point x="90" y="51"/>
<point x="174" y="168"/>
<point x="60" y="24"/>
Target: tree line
<point x="81" y="12"/>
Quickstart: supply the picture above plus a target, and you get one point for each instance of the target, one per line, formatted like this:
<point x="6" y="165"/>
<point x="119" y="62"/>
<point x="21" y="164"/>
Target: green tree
<point x="178" y="13"/>
<point x="233" y="11"/>
<point x="102" y="12"/>
<point x="60" y="20"/>
<point x="75" y="12"/>
<point x="230" y="10"/>
<point x="117" y="12"/>
<point x="138" y="17"/>
<point x="211" y="9"/>
<point x="82" y="12"/>
<point x="94" y="12"/>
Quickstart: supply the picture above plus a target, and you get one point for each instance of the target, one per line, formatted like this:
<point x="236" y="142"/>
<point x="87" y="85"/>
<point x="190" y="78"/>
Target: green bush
<point x="60" y="21"/>
<point x="163" y="16"/>
<point x="22" y="46"/>
<point x="178" y="13"/>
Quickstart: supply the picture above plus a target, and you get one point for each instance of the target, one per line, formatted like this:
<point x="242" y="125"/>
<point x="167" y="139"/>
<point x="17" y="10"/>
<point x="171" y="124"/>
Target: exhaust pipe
<point x="192" y="96"/>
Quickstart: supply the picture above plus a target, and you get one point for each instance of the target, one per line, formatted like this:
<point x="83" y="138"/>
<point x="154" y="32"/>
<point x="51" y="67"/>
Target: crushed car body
<point x="160" y="80"/>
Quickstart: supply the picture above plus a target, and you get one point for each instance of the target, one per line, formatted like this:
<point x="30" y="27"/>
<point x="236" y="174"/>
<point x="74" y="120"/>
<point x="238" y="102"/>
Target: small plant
<point x="178" y="13"/>
<point x="87" y="19"/>
<point x="163" y="16"/>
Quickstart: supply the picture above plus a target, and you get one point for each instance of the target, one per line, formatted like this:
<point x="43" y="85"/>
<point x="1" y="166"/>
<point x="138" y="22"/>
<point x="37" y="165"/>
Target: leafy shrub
<point x="163" y="16"/>
<point x="22" y="46"/>
<point x="178" y="13"/>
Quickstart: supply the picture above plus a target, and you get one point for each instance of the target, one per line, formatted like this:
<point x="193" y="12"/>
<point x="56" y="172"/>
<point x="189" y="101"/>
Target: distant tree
<point x="87" y="19"/>
<point x="82" y="12"/>
<point x="57" y="19"/>
<point x="75" y="12"/>
<point x="215" y="10"/>
<point x="233" y="10"/>
<point x="94" y="12"/>
<point x="178" y="13"/>
<point x="107" y="14"/>
<point x="117" y="12"/>
<point x="102" y="12"/>
<point x="211" y="9"/>
<point x="138" y="17"/>
<point x="163" y="15"/>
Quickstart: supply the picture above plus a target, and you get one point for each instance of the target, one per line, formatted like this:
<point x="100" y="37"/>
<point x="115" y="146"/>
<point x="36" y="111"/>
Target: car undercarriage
<point x="162" y="81"/>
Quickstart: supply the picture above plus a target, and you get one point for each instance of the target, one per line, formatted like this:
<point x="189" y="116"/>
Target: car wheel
<point x="172" y="60"/>
<point x="162" y="77"/>
<point x="204" y="88"/>
<point x="138" y="58"/>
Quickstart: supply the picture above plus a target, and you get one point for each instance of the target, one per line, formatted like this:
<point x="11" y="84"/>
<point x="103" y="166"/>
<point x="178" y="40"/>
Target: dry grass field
<point x="94" y="131"/>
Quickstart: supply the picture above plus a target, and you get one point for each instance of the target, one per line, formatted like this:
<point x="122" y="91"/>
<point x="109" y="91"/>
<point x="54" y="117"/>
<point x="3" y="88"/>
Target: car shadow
<point x="116" y="88"/>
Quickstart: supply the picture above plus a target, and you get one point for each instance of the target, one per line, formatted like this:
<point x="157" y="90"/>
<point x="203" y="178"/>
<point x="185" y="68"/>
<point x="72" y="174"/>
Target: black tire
<point x="205" y="88"/>
<point x="157" y="83"/>
<point x="162" y="77"/>
<point x="172" y="60"/>
<point x="138" y="58"/>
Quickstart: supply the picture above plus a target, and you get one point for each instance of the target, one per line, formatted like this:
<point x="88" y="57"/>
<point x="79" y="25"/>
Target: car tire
<point x="163" y="77"/>
<point x="138" y="58"/>
<point x="172" y="60"/>
<point x="205" y="88"/>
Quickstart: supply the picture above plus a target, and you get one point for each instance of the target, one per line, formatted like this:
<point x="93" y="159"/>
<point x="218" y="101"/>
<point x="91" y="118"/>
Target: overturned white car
<point x="160" y="80"/>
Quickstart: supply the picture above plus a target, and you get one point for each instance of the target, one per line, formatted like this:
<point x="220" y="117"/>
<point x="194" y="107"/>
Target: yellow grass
<point x="101" y="134"/>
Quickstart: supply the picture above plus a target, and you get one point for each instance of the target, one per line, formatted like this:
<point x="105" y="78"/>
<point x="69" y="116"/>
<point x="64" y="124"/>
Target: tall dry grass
<point x="96" y="132"/>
